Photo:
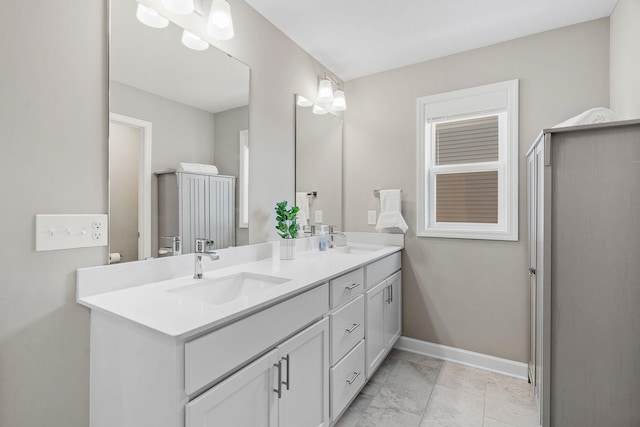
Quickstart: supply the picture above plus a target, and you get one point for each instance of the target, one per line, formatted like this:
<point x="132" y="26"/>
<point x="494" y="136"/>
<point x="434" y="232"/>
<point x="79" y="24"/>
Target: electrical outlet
<point x="318" y="217"/>
<point x="371" y="217"/>
<point x="70" y="231"/>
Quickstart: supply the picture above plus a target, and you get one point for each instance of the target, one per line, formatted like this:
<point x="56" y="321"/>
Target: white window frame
<point x="243" y="180"/>
<point x="495" y="99"/>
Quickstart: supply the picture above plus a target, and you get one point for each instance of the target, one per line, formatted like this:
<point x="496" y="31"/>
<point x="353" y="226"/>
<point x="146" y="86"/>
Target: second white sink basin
<point x="225" y="289"/>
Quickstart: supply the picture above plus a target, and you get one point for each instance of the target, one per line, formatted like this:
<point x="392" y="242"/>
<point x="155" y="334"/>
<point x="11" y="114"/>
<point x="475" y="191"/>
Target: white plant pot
<point x="288" y="249"/>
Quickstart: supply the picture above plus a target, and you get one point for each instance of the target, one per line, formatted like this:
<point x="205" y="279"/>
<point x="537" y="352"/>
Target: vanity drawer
<point x="381" y="269"/>
<point x="347" y="328"/>
<point x="347" y="377"/>
<point x="345" y="287"/>
<point x="211" y="356"/>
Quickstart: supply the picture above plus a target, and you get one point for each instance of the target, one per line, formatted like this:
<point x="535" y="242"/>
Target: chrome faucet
<point x="202" y="249"/>
<point x="332" y="235"/>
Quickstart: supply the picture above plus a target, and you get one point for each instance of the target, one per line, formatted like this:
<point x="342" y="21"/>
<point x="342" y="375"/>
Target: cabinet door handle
<point x="279" y="389"/>
<point x="390" y="293"/>
<point x="353" y="378"/>
<point x="288" y="381"/>
<point x="532" y="271"/>
<point x="352" y="286"/>
<point x="353" y="328"/>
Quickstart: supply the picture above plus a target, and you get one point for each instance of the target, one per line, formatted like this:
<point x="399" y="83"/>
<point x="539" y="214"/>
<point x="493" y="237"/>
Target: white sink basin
<point x="357" y="249"/>
<point x="226" y="289"/>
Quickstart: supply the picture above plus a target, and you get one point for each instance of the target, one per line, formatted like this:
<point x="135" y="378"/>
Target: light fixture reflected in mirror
<point x="150" y="17"/>
<point x="179" y="7"/>
<point x="303" y="102"/>
<point x="220" y="23"/>
<point x="194" y="42"/>
<point x="319" y="110"/>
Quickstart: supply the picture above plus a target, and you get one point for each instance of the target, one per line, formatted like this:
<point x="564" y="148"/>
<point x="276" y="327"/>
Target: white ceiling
<point x="354" y="38"/>
<point x="156" y="61"/>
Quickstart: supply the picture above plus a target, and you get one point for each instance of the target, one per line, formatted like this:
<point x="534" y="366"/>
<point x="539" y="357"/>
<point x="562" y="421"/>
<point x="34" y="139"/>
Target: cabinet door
<point x="531" y="197"/>
<point x="305" y="378"/>
<point x="393" y="310"/>
<point x="194" y="209"/>
<point x="376" y="299"/>
<point x="246" y="399"/>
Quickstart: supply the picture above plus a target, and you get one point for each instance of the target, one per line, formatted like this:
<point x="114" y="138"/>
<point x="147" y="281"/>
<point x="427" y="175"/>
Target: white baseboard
<point x="464" y="357"/>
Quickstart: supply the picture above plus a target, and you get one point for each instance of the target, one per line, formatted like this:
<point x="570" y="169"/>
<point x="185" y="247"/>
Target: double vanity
<point x="256" y="342"/>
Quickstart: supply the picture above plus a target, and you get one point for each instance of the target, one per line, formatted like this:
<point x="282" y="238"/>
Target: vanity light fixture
<point x="179" y="7"/>
<point x="325" y="91"/>
<point x="194" y="42"/>
<point x="318" y="110"/>
<point x="150" y="17"/>
<point x="326" y="94"/>
<point x="339" y="101"/>
<point x="220" y="23"/>
<point x="303" y="102"/>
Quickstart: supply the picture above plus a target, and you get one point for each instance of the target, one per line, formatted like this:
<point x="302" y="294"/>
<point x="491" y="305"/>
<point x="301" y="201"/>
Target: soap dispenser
<point x="323" y="239"/>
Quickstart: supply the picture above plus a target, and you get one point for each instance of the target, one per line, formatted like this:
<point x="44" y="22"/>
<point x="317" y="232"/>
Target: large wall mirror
<point x="318" y="164"/>
<point x="174" y="112"/>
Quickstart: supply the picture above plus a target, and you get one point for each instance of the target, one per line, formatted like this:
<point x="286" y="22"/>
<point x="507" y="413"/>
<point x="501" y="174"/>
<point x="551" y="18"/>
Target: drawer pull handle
<point x="352" y="287"/>
<point x="279" y="389"/>
<point x="288" y="381"/>
<point x="353" y="378"/>
<point x="353" y="328"/>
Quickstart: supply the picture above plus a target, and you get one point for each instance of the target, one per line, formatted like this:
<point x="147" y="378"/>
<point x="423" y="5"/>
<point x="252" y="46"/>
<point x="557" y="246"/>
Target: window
<point x="468" y="154"/>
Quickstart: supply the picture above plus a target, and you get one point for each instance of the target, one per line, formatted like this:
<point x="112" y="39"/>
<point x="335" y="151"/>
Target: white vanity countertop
<point x="151" y="306"/>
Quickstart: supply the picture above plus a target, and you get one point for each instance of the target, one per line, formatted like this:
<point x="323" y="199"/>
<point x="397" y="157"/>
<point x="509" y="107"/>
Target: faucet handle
<point x="203" y="244"/>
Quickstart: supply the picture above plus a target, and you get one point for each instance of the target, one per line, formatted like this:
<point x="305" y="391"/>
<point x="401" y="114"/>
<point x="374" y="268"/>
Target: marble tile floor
<point x="411" y="390"/>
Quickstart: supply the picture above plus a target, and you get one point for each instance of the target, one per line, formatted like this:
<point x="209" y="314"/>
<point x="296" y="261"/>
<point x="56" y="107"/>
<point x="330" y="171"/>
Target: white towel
<point x="198" y="168"/>
<point x="589" y="117"/>
<point x="302" y="201"/>
<point x="390" y="216"/>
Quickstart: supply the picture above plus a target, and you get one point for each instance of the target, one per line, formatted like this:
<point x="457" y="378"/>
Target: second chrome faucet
<point x="203" y="248"/>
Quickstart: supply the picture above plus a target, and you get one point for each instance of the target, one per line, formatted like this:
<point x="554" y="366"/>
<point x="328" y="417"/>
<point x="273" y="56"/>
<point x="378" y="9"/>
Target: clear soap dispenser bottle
<point x="322" y="238"/>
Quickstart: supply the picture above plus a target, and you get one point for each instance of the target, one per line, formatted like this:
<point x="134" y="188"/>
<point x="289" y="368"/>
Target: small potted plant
<point x="287" y="229"/>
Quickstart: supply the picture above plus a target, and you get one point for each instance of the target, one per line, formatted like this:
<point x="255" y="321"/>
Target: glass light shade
<point x="220" y="23"/>
<point x="304" y="102"/>
<point x="179" y="7"/>
<point x="150" y="17"/>
<point x="325" y="91"/>
<point x="339" y="101"/>
<point x="318" y="110"/>
<point x="194" y="42"/>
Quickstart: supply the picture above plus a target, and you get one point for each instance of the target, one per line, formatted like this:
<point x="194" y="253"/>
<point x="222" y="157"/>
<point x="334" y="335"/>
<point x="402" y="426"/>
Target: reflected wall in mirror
<point x="318" y="165"/>
<point x="172" y="111"/>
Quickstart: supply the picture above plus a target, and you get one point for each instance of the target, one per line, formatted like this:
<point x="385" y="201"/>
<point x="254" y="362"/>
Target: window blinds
<point x="470" y="197"/>
<point x="467" y="141"/>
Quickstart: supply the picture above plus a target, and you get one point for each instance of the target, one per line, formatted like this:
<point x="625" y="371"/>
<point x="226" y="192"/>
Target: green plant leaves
<point x="286" y="220"/>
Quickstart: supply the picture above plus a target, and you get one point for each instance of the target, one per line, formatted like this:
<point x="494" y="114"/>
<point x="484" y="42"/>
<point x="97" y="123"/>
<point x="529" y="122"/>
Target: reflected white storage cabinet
<point x="193" y="205"/>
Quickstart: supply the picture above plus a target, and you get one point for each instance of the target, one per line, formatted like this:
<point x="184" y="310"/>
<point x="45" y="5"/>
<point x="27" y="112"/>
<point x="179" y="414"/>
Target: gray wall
<point x="181" y="133"/>
<point x="228" y="125"/>
<point x="124" y="150"/>
<point x="470" y="294"/>
<point x="53" y="159"/>
<point x="625" y="59"/>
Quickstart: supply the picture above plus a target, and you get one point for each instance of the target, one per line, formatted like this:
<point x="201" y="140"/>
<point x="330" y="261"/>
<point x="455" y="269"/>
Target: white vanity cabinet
<point x="298" y="362"/>
<point x="288" y="387"/>
<point x="383" y="311"/>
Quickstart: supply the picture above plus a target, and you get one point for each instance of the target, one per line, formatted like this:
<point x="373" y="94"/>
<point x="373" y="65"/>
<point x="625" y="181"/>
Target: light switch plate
<point x="371" y="217"/>
<point x="70" y="231"/>
<point x="318" y="217"/>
